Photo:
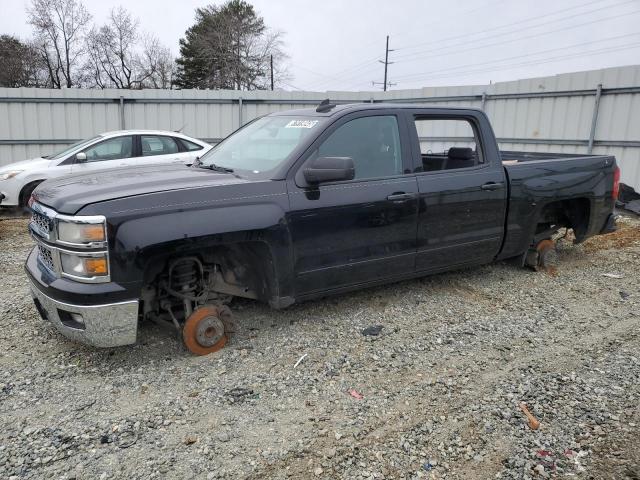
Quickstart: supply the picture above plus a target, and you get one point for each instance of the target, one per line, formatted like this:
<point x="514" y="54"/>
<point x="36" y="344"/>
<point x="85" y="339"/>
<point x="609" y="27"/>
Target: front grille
<point x="46" y="257"/>
<point x="41" y="223"/>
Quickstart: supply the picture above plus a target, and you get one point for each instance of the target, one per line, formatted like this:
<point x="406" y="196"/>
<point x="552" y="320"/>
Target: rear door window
<point x="157" y="145"/>
<point x="189" y="146"/>
<point x="447" y="144"/>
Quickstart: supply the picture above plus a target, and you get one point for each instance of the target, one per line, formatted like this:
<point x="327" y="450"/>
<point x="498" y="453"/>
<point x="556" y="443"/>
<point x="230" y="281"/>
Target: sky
<point x="338" y="45"/>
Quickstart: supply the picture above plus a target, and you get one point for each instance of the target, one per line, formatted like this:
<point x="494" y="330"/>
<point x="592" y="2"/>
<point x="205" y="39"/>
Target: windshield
<point x="73" y="147"/>
<point x="261" y="145"/>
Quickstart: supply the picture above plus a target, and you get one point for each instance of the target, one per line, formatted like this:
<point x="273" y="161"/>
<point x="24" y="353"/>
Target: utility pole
<point x="386" y="62"/>
<point x="271" y="60"/>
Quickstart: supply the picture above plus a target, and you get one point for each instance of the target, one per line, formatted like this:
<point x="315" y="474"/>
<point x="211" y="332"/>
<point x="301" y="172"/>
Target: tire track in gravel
<point x="561" y="355"/>
<point x="565" y="359"/>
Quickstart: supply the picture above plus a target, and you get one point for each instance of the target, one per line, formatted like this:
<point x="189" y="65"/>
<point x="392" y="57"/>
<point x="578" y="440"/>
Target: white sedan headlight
<point x="9" y="174"/>
<point x="81" y="233"/>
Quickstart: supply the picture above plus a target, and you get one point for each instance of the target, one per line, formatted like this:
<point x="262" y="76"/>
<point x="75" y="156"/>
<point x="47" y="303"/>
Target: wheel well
<point x="25" y="193"/>
<point x="246" y="268"/>
<point x="572" y="213"/>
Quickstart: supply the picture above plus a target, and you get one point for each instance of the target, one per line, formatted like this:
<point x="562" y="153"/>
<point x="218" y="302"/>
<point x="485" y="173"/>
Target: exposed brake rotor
<point x="204" y="331"/>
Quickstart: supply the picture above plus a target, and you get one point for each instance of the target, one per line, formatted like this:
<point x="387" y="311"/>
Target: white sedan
<point x="108" y="150"/>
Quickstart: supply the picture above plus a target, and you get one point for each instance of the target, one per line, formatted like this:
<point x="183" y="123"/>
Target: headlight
<point x="9" y="174"/>
<point x="81" y="233"/>
<point x="83" y="266"/>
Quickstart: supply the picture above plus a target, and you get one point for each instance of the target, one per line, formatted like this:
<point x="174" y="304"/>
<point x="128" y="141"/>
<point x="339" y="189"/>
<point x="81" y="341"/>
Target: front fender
<point x="142" y="243"/>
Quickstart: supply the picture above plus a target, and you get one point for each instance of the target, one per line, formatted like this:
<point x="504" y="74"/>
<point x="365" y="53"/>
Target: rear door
<point x="463" y="194"/>
<point x="358" y="231"/>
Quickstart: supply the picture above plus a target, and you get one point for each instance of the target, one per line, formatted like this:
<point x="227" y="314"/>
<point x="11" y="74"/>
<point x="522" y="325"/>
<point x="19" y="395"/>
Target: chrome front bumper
<point x="108" y="325"/>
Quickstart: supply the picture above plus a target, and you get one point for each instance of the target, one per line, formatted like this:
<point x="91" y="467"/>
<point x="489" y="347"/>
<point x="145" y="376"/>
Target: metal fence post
<point x="239" y="112"/>
<point x="121" y="112"/>
<point x="594" y="118"/>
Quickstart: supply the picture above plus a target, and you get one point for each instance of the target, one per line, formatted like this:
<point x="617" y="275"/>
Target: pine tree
<point x="228" y="47"/>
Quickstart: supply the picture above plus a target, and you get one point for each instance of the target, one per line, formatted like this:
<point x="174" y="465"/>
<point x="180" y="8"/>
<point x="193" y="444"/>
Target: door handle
<point x="401" y="197"/>
<point x="492" y="186"/>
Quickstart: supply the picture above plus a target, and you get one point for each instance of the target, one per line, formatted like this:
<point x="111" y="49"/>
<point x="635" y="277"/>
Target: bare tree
<point x="156" y="64"/>
<point x="270" y="45"/>
<point x="111" y="51"/>
<point x="119" y="57"/>
<point x="59" y="38"/>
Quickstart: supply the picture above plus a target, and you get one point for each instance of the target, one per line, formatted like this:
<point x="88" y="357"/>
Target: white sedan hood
<point x="31" y="164"/>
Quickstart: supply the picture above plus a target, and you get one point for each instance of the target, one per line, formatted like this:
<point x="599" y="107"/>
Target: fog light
<point x="71" y="319"/>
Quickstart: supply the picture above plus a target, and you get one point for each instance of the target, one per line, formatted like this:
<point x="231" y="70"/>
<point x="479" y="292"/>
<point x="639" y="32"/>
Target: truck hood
<point x="69" y="194"/>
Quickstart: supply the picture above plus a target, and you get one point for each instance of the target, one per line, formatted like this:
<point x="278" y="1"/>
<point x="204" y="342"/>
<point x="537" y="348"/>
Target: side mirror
<point x="330" y="169"/>
<point x="81" y="157"/>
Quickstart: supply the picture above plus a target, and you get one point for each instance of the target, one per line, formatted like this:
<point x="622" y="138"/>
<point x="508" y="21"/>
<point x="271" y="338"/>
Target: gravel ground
<point x="435" y="394"/>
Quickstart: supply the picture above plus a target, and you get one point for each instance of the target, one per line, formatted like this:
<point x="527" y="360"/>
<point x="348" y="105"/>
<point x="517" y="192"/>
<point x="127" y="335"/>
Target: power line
<point x="533" y="54"/>
<point x="367" y="64"/>
<point x="510" y="24"/>
<point x="475" y="47"/>
<point x="515" y="40"/>
<point x="535" y="62"/>
<point x="537" y="35"/>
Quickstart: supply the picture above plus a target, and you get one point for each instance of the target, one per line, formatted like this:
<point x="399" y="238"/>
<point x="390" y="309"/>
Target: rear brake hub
<point x="209" y="332"/>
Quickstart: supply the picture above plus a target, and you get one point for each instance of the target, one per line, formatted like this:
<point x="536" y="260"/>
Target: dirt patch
<point x="626" y="235"/>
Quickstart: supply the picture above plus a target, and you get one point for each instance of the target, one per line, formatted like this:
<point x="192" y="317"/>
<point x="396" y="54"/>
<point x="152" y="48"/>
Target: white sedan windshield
<point x="73" y="147"/>
<point x="261" y="145"/>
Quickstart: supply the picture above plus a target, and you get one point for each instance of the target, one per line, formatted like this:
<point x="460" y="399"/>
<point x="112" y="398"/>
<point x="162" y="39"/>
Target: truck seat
<point x="460" y="157"/>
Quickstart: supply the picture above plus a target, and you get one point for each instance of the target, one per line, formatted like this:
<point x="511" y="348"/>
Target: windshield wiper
<point x="217" y="168"/>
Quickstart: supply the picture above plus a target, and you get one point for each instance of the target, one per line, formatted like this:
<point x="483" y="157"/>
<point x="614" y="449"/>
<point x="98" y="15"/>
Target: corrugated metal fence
<point x="596" y="111"/>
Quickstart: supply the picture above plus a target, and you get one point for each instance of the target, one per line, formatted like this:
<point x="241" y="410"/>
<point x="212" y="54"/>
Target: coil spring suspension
<point x="185" y="278"/>
<point x="186" y="282"/>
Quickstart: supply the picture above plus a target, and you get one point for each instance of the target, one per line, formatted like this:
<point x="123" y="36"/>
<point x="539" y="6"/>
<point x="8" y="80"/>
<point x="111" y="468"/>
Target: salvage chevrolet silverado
<point x="297" y="205"/>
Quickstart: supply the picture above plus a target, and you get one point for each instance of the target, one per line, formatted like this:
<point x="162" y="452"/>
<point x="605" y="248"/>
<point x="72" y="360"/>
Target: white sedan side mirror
<point x="81" y="157"/>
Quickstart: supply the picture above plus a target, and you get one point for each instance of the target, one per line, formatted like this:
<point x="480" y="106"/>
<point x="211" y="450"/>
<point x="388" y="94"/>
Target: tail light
<point x="616" y="183"/>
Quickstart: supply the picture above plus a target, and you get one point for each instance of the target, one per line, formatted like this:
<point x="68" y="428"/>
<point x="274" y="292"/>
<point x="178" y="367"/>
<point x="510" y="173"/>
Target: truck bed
<point x="535" y="177"/>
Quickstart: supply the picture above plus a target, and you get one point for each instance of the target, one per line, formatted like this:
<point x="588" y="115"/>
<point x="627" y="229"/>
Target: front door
<point x="110" y="153"/>
<point x="358" y="231"/>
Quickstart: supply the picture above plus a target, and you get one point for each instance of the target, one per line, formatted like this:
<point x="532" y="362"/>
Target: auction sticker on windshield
<point x="301" y="124"/>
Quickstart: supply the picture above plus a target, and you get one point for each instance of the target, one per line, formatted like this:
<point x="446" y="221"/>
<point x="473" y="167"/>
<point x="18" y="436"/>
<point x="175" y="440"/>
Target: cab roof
<point x="358" y="107"/>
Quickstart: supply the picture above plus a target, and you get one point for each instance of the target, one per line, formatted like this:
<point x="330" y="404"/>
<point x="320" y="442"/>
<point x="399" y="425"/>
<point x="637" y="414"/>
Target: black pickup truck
<point x="298" y="205"/>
